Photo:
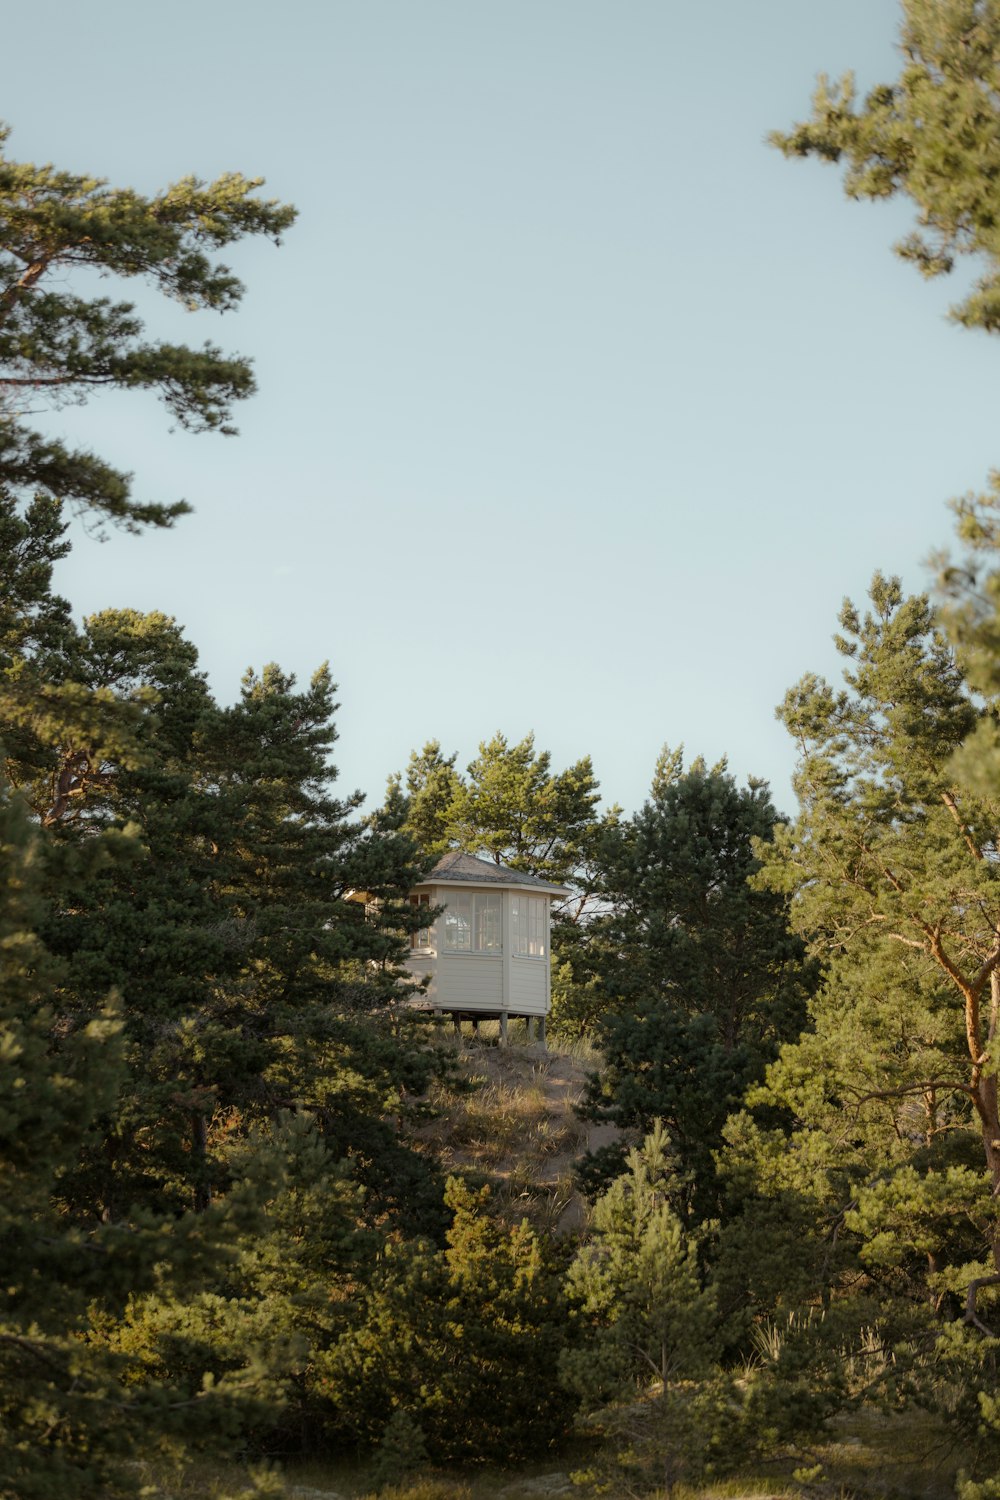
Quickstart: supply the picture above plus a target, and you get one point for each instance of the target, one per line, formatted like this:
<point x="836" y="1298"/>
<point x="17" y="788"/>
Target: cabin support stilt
<point x="503" y="1028"/>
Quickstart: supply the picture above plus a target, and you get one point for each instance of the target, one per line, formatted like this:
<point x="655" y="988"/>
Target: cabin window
<point x="422" y="937"/>
<point x="472" y="922"/>
<point x="529" y="926"/>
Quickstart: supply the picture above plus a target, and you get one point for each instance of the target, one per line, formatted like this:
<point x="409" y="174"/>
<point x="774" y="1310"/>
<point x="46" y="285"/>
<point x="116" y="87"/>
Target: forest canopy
<point x="226" y="1223"/>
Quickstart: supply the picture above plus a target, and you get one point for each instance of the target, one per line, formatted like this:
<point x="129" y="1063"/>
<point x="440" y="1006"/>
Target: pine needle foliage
<point x="932" y="136"/>
<point x="59" y="343"/>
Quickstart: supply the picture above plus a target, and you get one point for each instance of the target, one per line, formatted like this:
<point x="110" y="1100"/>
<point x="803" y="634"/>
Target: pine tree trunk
<point x="986" y="1105"/>
<point x="199" y="1147"/>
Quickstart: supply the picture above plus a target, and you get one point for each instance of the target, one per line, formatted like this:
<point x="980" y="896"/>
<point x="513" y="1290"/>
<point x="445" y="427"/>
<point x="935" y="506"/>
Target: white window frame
<point x="421" y="938"/>
<point x="529" y="926"/>
<point x="476" y="916"/>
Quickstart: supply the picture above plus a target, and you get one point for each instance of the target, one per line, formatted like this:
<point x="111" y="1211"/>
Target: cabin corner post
<point x="506" y="943"/>
<point x="506" y="949"/>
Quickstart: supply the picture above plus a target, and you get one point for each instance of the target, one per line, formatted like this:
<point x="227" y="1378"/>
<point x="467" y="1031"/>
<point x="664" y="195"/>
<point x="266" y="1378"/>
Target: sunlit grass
<point x="513" y="1123"/>
<point x="869" y="1455"/>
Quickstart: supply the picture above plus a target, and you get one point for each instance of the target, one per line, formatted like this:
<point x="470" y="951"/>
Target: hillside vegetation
<point x="511" y="1121"/>
<point x="257" y="1210"/>
<point x="515" y="1125"/>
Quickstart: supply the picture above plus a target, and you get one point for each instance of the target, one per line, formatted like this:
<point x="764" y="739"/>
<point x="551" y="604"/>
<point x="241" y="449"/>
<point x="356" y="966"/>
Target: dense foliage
<point x="932" y="136"/>
<point x="694" y="977"/>
<point x="221" y="1223"/>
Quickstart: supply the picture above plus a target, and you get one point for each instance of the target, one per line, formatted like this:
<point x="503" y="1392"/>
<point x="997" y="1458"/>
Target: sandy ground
<point x="520" y="1126"/>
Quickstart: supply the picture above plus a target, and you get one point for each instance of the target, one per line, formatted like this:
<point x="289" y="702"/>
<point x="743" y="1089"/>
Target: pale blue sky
<point x="580" y="409"/>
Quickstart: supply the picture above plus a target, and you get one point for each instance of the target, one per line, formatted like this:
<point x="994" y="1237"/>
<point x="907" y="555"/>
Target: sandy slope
<point x="518" y="1126"/>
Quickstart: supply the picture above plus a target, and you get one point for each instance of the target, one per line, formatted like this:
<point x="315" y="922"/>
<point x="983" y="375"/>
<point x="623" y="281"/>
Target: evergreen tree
<point x="190" y="1231"/>
<point x="251" y="983"/>
<point x="257" y="1325"/>
<point x="466" y="1341"/>
<point x="894" y="856"/>
<point x="400" y="1452"/>
<point x="72" y="1421"/>
<point x="51" y="1089"/>
<point x="513" y="808"/>
<point x="970" y="613"/>
<point x="197" y="861"/>
<point x="931" y="135"/>
<point x="649" y="1326"/>
<point x="59" y="344"/>
<point x="510" y="807"/>
<point x="892" y="863"/>
<point x="317" y="982"/>
<point x="58" y="732"/>
<point x="423" y="802"/>
<point x="637" y="1283"/>
<point x="698" y="976"/>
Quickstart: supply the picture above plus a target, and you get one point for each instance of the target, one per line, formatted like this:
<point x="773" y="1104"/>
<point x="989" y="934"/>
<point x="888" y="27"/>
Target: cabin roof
<point x="458" y="868"/>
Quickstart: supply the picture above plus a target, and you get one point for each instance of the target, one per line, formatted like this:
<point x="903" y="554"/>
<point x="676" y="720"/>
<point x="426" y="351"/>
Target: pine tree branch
<point x="897" y="937"/>
<point x="28" y="1346"/>
<point x="988" y="966"/>
<point x="79" y="378"/>
<point x="949" y="801"/>
<point x="971" y="1315"/>
<point x="23" y="284"/>
<point x="970" y="993"/>
<point x="916" y="1088"/>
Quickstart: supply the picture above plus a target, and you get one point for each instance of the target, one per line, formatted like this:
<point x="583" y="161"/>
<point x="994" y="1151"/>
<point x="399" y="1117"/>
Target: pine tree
<point x="649" y="1325"/>
<point x="251" y="984"/>
<point x="59" y="344"/>
<point x="931" y="135"/>
<point x="510" y="807"/>
<point x="896" y="886"/>
<point x="637" y="1282"/>
<point x="513" y="808"/>
<point x="400" y="1452"/>
<point x="466" y="1341"/>
<point x="51" y="1089"/>
<point x="699" y="977"/>
<point x="72" y="1420"/>
<point x="423" y="801"/>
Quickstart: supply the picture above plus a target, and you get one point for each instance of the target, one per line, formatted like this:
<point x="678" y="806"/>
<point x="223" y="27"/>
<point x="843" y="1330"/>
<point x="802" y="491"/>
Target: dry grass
<point x="881" y="1454"/>
<point x="506" y="1119"/>
<point x="870" y="1456"/>
<point x="514" y="1123"/>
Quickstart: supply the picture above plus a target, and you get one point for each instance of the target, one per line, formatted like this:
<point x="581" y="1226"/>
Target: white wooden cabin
<point x="487" y="955"/>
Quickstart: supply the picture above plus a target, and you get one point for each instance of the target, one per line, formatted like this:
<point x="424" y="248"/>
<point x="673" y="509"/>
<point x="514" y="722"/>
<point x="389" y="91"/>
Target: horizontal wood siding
<point x="477" y="981"/>
<point x="420" y="964"/>
<point x="527" y="985"/>
<point x="469" y="981"/>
